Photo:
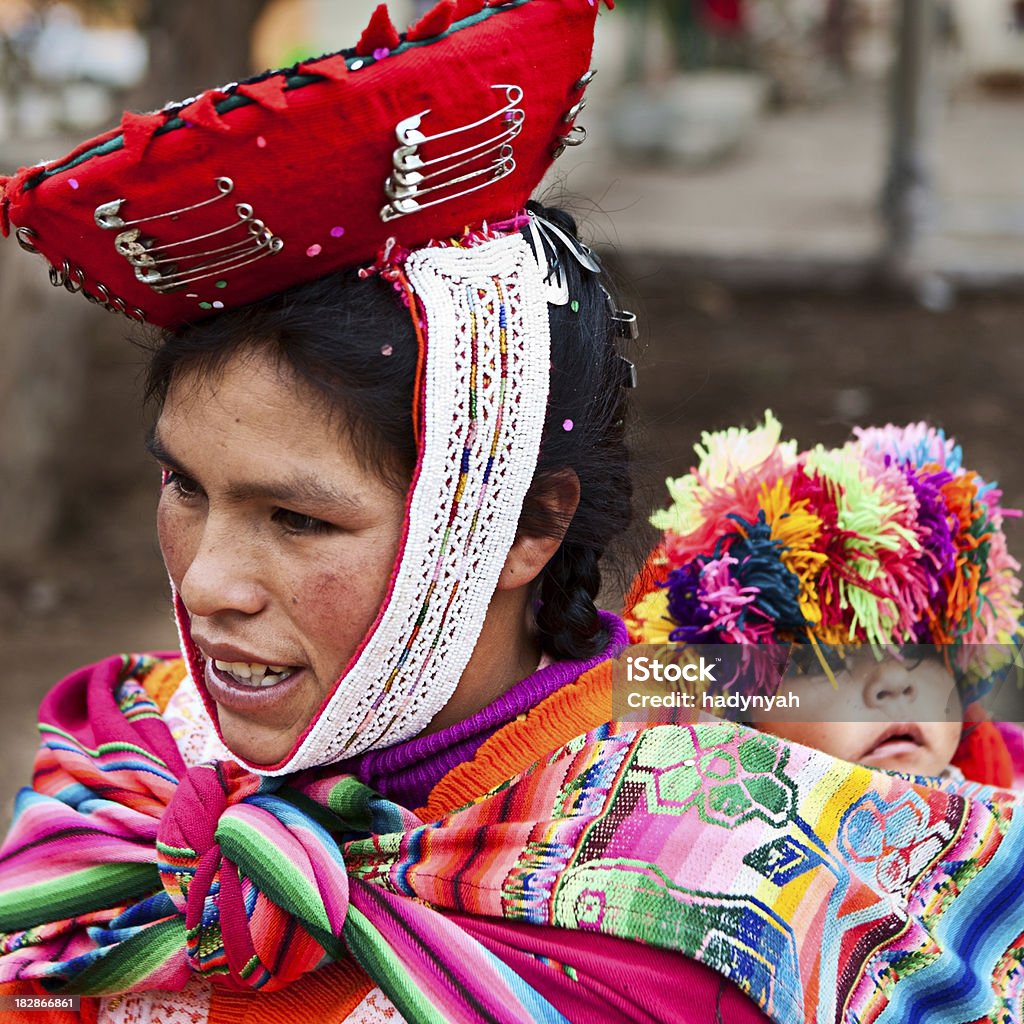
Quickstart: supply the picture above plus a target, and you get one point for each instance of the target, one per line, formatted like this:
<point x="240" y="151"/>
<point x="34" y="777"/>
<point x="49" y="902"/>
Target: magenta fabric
<point x="1013" y="736"/>
<point x="616" y="981"/>
<point x="589" y="977"/>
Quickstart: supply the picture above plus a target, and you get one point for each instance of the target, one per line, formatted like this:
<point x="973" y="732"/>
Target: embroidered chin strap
<point x="485" y="364"/>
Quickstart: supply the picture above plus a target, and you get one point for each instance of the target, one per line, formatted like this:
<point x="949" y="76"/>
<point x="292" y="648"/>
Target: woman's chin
<point x="260" y="725"/>
<point x="254" y="743"/>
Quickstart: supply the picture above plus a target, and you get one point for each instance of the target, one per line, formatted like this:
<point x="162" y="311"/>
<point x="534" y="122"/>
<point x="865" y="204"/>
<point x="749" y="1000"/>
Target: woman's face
<point x="278" y="540"/>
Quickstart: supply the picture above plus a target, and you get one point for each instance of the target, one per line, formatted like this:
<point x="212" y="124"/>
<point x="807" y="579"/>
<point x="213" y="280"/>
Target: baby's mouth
<point x="899" y="738"/>
<point x="253" y="675"/>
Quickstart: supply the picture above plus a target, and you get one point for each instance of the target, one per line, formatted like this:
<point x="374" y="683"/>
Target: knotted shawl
<point x="826" y="891"/>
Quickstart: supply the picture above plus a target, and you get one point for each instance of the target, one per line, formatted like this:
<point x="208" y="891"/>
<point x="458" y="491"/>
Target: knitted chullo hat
<point x="887" y="540"/>
<point x="411" y="155"/>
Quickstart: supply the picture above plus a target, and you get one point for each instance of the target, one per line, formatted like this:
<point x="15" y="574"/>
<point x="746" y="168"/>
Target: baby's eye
<point x="184" y="486"/>
<point x="298" y="522"/>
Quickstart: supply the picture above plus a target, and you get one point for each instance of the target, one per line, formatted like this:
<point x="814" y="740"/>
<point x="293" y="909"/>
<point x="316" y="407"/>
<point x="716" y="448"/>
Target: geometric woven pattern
<point x="826" y="891"/>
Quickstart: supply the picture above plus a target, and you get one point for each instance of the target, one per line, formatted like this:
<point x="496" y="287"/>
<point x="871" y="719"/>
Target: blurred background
<point x="814" y="206"/>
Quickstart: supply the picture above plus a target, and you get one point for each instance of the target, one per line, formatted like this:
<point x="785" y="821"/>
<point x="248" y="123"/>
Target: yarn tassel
<point x="823" y="661"/>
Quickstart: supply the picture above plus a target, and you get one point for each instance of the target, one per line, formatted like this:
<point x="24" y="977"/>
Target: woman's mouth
<point x="251" y="674"/>
<point x="251" y="687"/>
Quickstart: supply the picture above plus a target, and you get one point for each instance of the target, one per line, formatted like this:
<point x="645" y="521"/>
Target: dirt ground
<point x="711" y="358"/>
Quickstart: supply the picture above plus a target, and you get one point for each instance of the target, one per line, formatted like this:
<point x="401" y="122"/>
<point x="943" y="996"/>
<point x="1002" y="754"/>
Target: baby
<point x="877" y="564"/>
<point x="894" y="709"/>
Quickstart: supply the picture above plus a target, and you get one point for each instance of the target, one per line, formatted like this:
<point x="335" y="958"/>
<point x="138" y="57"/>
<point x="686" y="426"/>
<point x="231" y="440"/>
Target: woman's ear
<point x="554" y="498"/>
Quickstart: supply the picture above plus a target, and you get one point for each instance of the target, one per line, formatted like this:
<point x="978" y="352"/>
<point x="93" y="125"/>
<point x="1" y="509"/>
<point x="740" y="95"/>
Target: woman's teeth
<point x="253" y="674"/>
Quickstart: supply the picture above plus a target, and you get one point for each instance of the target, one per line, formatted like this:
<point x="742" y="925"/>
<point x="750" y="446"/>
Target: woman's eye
<point x="185" y="487"/>
<point x="297" y="522"/>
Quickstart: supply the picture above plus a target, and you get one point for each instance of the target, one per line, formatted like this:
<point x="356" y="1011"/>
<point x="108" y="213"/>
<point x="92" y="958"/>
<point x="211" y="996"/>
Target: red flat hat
<point x="223" y="199"/>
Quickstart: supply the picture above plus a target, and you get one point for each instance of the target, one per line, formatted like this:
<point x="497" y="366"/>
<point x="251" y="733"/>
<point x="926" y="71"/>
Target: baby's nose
<point x="888" y="686"/>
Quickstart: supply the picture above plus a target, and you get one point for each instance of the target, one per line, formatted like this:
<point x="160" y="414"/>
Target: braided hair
<point x="585" y="431"/>
<point x="331" y="334"/>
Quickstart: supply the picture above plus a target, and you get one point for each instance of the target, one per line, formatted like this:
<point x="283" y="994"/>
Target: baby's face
<point x="903" y="716"/>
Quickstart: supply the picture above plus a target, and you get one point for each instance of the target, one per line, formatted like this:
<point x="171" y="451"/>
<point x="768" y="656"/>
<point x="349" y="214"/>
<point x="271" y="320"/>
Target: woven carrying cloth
<point x="485" y="387"/>
<point x="826" y="891"/>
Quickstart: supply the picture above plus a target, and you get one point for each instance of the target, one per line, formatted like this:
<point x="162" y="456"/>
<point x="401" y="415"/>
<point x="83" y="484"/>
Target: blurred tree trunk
<point x="43" y="356"/>
<point x="909" y="198"/>
<point x="838" y="15"/>
<point x="195" y="45"/>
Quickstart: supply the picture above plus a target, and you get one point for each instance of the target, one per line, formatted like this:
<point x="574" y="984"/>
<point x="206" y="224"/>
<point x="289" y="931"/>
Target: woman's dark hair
<point x="352" y="341"/>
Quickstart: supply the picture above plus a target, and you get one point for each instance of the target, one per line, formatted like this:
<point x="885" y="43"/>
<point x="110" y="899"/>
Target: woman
<point x="310" y="442"/>
<point x="382" y="782"/>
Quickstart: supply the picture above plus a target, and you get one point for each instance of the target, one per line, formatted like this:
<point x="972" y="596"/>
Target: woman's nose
<point x="889" y="686"/>
<point x="223" y="575"/>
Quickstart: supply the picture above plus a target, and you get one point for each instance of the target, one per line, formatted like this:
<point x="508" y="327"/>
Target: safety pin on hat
<point x="404" y="187"/>
<point x="155" y="264"/>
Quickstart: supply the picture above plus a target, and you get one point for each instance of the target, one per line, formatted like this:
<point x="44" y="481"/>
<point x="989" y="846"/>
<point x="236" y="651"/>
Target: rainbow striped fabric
<point x="826" y="891"/>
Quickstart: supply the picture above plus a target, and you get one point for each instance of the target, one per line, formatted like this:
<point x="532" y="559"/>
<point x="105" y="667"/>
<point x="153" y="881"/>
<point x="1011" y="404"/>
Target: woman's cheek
<point x="351" y="588"/>
<point x="348" y="590"/>
<point x="173" y="529"/>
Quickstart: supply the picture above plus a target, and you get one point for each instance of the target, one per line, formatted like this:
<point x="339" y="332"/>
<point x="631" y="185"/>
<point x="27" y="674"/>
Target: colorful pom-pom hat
<point x="413" y="155"/>
<point x="887" y="540"/>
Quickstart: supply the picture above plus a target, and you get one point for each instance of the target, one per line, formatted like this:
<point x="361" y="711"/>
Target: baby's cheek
<point x="948" y="740"/>
<point x="835" y="738"/>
